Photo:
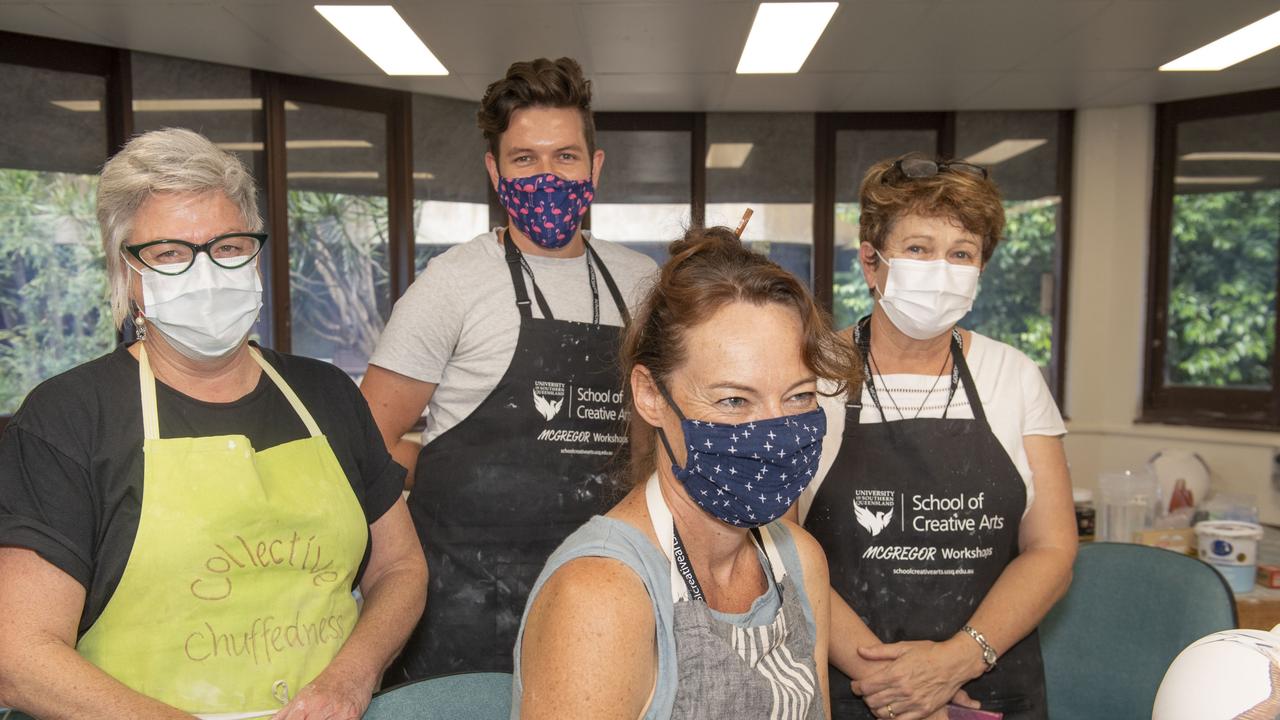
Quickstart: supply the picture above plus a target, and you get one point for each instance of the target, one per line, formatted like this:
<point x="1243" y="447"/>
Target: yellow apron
<point x="238" y="587"/>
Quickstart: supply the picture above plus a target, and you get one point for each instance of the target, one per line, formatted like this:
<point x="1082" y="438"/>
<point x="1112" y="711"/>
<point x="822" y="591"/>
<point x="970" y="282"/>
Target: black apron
<point x="497" y="493"/>
<point x="919" y="517"/>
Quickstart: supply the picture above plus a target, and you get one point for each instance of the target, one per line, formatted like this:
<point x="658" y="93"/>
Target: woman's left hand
<point x="921" y="677"/>
<point x="335" y="694"/>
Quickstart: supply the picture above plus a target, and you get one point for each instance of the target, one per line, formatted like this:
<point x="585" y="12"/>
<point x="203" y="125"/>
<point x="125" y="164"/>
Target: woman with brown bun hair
<point x="944" y="503"/>
<point x="692" y="597"/>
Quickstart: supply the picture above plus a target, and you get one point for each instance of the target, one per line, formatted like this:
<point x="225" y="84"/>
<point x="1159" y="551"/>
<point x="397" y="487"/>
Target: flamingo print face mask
<point x="548" y="209"/>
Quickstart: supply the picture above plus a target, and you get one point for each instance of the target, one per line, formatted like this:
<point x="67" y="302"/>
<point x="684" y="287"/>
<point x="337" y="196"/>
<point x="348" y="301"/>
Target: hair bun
<point x="698" y="241"/>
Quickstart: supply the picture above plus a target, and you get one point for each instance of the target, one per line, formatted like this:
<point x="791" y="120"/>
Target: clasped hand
<point x="917" y="679"/>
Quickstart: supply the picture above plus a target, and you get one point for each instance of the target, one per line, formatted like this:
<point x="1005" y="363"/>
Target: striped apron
<point x="732" y="672"/>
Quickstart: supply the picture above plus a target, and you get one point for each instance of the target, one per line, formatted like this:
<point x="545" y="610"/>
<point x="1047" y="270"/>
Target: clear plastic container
<point x="1128" y="504"/>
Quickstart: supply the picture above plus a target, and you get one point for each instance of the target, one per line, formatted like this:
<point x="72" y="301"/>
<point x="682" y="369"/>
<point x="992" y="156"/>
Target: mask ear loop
<point x="662" y="435"/>
<point x="135" y="313"/>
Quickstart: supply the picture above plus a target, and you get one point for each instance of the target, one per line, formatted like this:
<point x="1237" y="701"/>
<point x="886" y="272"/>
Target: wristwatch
<point x="988" y="652"/>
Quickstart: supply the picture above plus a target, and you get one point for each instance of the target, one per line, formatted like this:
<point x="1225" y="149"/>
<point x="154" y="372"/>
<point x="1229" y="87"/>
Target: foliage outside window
<point x="53" y="280"/>
<point x="338" y="274"/>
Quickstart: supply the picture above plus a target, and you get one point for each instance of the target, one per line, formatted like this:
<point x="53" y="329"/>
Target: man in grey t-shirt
<point x="510" y="341"/>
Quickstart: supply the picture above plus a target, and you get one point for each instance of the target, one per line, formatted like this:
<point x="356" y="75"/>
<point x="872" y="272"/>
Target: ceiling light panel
<point x="1004" y="150"/>
<point x="1250" y="40"/>
<point x="380" y="33"/>
<point x="728" y="156"/>
<point x="783" y="35"/>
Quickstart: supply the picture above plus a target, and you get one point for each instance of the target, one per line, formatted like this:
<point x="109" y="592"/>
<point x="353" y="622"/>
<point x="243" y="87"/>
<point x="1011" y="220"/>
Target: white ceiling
<point x="875" y="54"/>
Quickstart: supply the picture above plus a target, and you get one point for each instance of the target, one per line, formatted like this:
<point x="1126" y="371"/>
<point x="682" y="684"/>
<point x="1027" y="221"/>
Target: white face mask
<point x="207" y="311"/>
<point x="926" y="298"/>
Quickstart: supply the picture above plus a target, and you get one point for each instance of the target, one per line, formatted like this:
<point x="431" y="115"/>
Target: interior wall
<point x="1114" y="150"/>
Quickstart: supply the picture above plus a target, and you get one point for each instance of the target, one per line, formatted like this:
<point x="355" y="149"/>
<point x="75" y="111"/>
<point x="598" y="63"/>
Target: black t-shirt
<point x="71" y="458"/>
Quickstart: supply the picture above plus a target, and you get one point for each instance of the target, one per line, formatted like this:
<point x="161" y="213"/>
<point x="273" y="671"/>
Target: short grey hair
<point x="172" y="160"/>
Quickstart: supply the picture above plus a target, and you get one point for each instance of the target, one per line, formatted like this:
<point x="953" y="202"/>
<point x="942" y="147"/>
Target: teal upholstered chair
<point x="466" y="696"/>
<point x="1130" y="610"/>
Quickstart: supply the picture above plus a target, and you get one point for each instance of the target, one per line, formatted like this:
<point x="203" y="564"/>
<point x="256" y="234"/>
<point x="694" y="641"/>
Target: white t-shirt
<point x="457" y="324"/>
<point x="1013" y="393"/>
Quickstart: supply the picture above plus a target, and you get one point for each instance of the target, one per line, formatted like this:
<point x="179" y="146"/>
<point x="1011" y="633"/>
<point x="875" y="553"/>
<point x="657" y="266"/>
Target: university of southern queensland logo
<point x="873" y="521"/>
<point x="548" y="398"/>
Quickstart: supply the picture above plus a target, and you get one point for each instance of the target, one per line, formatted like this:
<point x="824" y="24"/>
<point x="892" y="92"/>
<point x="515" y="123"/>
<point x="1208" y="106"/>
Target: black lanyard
<point x="685" y="568"/>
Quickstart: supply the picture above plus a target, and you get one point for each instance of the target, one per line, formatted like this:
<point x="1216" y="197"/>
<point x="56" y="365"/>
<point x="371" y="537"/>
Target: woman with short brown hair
<point x="692" y="597"/>
<point x="944" y="502"/>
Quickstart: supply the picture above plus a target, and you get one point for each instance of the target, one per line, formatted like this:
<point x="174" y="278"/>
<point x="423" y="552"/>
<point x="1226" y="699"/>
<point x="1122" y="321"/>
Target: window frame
<point x="1232" y="408"/>
<point x="694" y="123"/>
<point x="397" y="108"/>
<point x="111" y="64"/>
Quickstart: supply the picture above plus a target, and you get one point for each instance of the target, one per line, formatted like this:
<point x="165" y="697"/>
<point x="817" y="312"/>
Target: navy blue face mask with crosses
<point x="749" y="474"/>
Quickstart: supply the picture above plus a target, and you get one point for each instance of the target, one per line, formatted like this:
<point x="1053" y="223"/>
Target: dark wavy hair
<point x="536" y="83"/>
<point x="710" y="268"/>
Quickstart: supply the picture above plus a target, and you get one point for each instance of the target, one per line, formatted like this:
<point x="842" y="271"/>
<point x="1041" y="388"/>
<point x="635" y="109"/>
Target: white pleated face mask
<point x="926" y="298"/>
<point x="207" y="311"/>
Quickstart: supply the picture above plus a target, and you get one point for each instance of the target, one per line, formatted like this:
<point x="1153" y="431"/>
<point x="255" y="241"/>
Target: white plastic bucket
<point x="1232" y="549"/>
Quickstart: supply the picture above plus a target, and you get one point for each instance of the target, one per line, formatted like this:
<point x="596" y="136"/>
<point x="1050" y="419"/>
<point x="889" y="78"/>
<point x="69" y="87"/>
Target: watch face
<point x="989" y="656"/>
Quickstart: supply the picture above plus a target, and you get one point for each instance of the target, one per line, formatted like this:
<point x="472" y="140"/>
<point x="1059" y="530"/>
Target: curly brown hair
<point x="536" y="83"/>
<point x="710" y="268"/>
<point x="969" y="199"/>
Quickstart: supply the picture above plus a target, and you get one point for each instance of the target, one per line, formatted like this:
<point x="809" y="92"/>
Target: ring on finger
<point x="889" y="708"/>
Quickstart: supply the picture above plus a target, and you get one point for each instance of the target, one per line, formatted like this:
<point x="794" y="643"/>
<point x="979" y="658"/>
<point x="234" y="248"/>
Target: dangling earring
<point x="139" y="322"/>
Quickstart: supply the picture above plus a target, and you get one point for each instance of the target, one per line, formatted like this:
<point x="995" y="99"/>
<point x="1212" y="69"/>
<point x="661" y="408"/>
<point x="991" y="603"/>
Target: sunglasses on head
<point x="915" y="168"/>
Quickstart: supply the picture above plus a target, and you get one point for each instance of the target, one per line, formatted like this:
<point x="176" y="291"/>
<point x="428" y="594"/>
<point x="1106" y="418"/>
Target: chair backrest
<point x="465" y="696"/>
<point x="1130" y="610"/>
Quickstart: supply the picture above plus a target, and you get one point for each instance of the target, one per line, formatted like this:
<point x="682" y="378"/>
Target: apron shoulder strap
<point x="288" y="393"/>
<point x="147" y="382"/>
<point x="150" y="416"/>
<point x="609" y="283"/>
<point x="515" y="265"/>
<point x="764" y="538"/>
<point x="970" y="389"/>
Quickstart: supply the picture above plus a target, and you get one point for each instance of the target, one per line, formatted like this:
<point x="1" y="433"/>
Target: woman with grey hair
<point x="183" y="521"/>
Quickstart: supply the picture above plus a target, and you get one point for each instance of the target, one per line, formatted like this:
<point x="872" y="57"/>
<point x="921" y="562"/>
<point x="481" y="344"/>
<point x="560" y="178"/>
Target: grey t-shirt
<point x="457" y="324"/>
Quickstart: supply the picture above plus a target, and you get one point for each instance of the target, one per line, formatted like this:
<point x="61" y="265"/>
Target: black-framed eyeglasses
<point x="174" y="257"/>
<point x="919" y="167"/>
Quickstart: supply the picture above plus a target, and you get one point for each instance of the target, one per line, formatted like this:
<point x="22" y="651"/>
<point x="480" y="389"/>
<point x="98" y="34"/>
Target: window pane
<point x="218" y="102"/>
<point x="53" y="282"/>
<point x="764" y="161"/>
<point x="1222" y="253"/>
<point x="451" y="187"/>
<point x="339" y="269"/>
<point x="643" y="198"/>
<point x="857" y="150"/>
<point x="1016" y="301"/>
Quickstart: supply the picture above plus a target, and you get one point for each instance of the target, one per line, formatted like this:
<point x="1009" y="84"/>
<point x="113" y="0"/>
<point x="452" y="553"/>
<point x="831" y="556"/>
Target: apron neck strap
<point x="147" y="381"/>
<point x="517" y="265"/>
<point x="151" y="417"/>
